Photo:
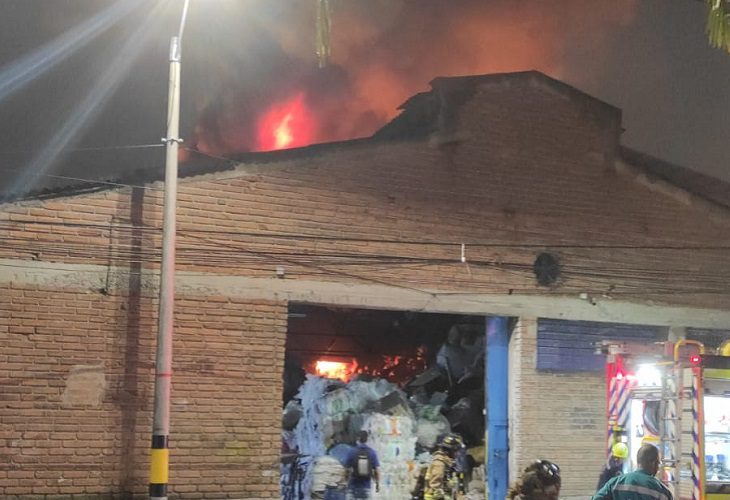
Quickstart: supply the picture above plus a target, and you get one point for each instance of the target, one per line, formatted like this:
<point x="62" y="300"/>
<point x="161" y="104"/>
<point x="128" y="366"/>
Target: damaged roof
<point x="420" y="116"/>
<point x="421" y="113"/>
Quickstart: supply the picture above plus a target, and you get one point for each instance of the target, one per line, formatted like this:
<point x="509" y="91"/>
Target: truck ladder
<point x="688" y="452"/>
<point x="670" y="430"/>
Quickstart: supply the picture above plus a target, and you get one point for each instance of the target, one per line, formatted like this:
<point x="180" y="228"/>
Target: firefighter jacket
<point x="439" y="482"/>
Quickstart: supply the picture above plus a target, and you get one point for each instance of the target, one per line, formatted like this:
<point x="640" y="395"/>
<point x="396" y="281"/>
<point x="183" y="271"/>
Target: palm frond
<point x="324" y="28"/>
<point x="718" y="24"/>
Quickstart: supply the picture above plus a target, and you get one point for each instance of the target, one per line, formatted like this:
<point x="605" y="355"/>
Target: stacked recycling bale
<point x="393" y="439"/>
<point x="328" y="474"/>
<point x="333" y="412"/>
<point x="308" y="435"/>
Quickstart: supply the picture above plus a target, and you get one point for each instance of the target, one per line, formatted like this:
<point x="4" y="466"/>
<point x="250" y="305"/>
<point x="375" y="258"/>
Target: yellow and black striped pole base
<point x="159" y="466"/>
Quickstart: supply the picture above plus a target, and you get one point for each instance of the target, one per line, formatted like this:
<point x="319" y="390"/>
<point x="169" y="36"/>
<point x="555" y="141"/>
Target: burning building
<point x="382" y="52"/>
<point x="503" y="200"/>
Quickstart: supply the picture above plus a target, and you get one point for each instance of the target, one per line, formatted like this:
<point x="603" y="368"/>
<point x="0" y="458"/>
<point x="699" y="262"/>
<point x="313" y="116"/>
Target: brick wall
<point x="76" y="385"/>
<point x="528" y="168"/>
<point x="559" y="417"/>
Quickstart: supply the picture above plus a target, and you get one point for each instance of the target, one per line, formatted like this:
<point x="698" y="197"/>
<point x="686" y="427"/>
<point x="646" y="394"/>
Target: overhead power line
<point x="338" y="238"/>
<point x="213" y="253"/>
<point x="117" y="148"/>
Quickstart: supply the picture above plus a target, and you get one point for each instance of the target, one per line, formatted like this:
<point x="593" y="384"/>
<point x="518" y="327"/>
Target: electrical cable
<point x="105" y="229"/>
<point x="348" y="275"/>
<point x="116" y="148"/>
<point x="594" y="272"/>
<point x="303" y="237"/>
<point x="84" y="180"/>
<point x="355" y="259"/>
<point x="430" y="192"/>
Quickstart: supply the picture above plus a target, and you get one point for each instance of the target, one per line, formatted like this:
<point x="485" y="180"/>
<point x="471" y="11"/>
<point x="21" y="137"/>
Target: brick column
<point x="522" y="349"/>
<point x="556" y="416"/>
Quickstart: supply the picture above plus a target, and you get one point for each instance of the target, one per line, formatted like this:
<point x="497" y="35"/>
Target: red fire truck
<point x="675" y="395"/>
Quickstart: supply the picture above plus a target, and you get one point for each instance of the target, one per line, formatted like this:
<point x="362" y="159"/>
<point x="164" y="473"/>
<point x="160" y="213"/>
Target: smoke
<point x="384" y="51"/>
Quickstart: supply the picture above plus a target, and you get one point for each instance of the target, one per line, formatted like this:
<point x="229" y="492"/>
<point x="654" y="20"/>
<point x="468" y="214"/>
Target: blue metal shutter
<point x="569" y="346"/>
<point x="711" y="338"/>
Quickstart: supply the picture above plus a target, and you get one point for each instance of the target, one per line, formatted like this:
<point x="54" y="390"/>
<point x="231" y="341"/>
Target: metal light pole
<point x="159" y="453"/>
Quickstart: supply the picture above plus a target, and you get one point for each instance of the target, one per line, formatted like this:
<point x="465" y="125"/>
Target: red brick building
<point x="497" y="169"/>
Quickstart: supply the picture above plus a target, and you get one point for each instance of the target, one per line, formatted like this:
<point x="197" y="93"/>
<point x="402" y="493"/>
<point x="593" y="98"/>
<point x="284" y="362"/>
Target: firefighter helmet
<point x="451" y="442"/>
<point x="547" y="471"/>
<point x="620" y="450"/>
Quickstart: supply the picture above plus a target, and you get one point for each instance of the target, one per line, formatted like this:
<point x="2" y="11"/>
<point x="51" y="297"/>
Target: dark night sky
<point x="671" y="86"/>
<point x="652" y="60"/>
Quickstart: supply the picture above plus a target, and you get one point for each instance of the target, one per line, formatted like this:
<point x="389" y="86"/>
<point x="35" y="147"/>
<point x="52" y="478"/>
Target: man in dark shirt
<point x="640" y="484"/>
<point x="362" y="465"/>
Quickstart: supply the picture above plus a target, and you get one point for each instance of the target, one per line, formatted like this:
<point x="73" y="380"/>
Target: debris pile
<point x="321" y="424"/>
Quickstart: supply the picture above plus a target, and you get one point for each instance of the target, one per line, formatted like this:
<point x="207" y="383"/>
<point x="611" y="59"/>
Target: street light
<point x="159" y="453"/>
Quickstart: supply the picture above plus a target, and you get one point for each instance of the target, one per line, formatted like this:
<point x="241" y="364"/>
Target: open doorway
<point x="408" y="378"/>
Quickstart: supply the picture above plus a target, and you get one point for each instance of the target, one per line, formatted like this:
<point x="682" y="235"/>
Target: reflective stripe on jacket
<point x="638" y="485"/>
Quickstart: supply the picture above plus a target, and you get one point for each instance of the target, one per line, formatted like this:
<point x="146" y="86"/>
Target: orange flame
<point x="335" y="369"/>
<point x="286" y="125"/>
<point x="282" y="133"/>
<point x="385" y="51"/>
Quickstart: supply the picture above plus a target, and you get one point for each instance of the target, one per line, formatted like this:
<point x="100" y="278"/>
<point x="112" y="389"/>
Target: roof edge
<point x="532" y="76"/>
<point x="200" y="164"/>
<point x="697" y="184"/>
<point x="717" y="212"/>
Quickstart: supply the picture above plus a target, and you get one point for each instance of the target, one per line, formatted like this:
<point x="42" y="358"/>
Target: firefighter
<point x="615" y="466"/>
<point x="441" y="481"/>
<point x="539" y="481"/>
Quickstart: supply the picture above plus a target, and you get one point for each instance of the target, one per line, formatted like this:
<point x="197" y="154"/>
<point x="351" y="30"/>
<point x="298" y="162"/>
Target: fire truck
<point x="675" y="395"/>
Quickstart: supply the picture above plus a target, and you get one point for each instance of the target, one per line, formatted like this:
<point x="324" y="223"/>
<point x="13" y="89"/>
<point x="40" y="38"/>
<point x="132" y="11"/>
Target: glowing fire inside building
<point x="335" y="369"/>
<point x="409" y="379"/>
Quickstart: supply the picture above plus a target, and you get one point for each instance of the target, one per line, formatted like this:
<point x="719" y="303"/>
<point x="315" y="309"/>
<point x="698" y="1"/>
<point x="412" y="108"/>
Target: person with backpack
<point x="362" y="465"/>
